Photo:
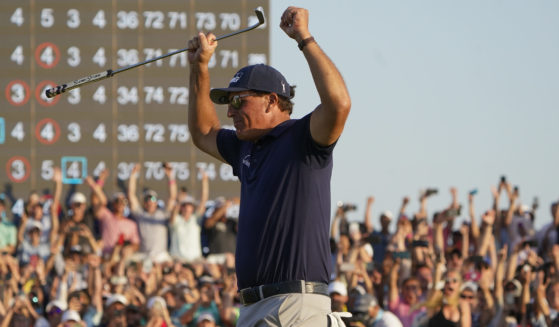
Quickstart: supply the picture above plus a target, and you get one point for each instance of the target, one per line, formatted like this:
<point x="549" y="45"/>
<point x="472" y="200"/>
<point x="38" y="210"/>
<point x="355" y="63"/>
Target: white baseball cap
<point x="71" y="315"/>
<point x="78" y="197"/>
<point x="205" y="316"/>
<point x="56" y="303"/>
<point x="114" y="298"/>
<point x="337" y="287"/>
<point x="34" y="224"/>
<point x="388" y="214"/>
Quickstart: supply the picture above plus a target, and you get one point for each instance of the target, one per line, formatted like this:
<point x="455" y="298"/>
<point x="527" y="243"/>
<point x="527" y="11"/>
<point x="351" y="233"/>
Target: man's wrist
<point x="304" y="42"/>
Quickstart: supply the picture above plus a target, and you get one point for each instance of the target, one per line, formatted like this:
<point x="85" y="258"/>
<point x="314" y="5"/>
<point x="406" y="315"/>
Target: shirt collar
<point x="280" y="128"/>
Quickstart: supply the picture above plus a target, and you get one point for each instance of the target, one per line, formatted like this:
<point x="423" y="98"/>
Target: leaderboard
<point x="138" y="116"/>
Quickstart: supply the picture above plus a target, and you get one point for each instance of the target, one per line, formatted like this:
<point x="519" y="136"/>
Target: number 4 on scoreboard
<point x="74" y="169"/>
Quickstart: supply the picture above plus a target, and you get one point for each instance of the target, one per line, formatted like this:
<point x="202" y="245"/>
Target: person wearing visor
<point x="284" y="166"/>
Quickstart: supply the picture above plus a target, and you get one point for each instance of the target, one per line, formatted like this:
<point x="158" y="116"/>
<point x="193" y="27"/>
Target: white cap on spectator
<point x="388" y="214"/>
<point x="34" y="224"/>
<point x="369" y="249"/>
<point x="205" y="316"/>
<point x="469" y="285"/>
<point x="337" y="287"/>
<point x="71" y="315"/>
<point x="56" y="303"/>
<point x="353" y="227"/>
<point x="78" y="197"/>
<point x="517" y="290"/>
<point x="156" y="299"/>
<point x="150" y="193"/>
<point x="187" y="200"/>
<point x="117" y="195"/>
<point x="116" y="298"/>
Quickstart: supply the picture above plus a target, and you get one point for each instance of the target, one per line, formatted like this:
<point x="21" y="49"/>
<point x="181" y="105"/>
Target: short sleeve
<point x="319" y="156"/>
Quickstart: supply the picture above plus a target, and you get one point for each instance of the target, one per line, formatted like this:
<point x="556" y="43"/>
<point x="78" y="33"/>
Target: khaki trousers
<point x="287" y="310"/>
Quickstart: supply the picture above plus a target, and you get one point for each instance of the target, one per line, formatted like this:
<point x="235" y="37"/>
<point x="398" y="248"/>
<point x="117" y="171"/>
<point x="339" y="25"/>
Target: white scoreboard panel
<point x="139" y="115"/>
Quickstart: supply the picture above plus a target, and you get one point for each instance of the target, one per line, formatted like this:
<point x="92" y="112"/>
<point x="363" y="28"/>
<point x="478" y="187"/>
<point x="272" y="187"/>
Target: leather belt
<point x="254" y="294"/>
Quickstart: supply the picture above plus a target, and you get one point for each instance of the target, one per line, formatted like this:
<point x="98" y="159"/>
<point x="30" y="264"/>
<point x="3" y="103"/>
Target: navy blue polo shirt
<point x="284" y="219"/>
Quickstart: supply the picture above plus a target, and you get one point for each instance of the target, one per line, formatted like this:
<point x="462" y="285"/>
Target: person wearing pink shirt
<point x="405" y="305"/>
<point x="116" y="229"/>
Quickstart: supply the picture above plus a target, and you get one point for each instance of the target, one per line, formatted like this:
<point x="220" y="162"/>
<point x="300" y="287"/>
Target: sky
<point x="444" y="94"/>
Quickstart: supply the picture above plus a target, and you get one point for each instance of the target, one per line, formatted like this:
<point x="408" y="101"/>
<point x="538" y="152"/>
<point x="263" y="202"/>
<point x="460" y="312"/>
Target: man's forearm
<point x="202" y="118"/>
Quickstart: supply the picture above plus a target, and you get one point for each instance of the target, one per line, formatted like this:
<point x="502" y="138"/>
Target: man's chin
<point x="245" y="135"/>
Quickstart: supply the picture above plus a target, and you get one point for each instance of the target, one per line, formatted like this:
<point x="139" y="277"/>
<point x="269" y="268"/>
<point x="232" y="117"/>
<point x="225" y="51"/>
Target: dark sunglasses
<point x="54" y="311"/>
<point x="412" y="287"/>
<point x="469" y="297"/>
<point x="150" y="199"/>
<point x="237" y="100"/>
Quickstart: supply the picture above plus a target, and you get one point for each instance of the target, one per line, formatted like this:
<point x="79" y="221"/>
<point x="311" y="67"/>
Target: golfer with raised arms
<point x="285" y="167"/>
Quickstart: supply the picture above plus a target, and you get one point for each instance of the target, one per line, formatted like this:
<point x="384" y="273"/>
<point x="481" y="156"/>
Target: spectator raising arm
<point x="172" y="201"/>
<point x="393" y="291"/>
<point x="205" y="194"/>
<point x="368" y="214"/>
<point x="488" y="221"/>
<point x="513" y="195"/>
<point x="218" y="214"/>
<point x="132" y="182"/>
<point x="473" y="222"/>
<point x="405" y="202"/>
<point x="97" y="189"/>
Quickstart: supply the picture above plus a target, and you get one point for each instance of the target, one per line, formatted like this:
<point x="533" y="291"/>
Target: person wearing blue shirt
<point x="284" y="166"/>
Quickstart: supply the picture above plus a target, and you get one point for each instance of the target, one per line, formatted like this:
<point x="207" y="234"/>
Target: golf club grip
<point x="77" y="83"/>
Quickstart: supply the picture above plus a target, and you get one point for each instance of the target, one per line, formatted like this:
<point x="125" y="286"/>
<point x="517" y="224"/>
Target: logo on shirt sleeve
<point x="246" y="160"/>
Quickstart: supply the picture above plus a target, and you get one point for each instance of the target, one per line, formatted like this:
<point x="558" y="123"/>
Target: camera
<point x="347" y="206"/>
<point x="454" y="212"/>
<point x="431" y="191"/>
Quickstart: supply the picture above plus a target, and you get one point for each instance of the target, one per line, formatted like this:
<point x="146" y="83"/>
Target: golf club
<point x="110" y="73"/>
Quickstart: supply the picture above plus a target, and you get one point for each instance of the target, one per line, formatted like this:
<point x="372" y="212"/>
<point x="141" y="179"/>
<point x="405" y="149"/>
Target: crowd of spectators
<point x="160" y="262"/>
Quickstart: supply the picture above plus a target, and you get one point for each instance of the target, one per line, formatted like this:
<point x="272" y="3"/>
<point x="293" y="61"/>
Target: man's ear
<point x="273" y="99"/>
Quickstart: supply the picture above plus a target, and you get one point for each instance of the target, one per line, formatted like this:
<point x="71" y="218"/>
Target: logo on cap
<point x="236" y="78"/>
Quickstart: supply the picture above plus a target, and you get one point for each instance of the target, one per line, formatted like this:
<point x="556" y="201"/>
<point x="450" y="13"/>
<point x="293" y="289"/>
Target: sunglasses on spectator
<point x="464" y="296"/>
<point x="150" y="199"/>
<point x="117" y="313"/>
<point x="411" y="287"/>
<point x="236" y="101"/>
<point x="54" y="311"/>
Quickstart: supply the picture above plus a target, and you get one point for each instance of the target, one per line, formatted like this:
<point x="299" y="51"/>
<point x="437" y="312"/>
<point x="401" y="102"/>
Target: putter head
<point x="260" y="15"/>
